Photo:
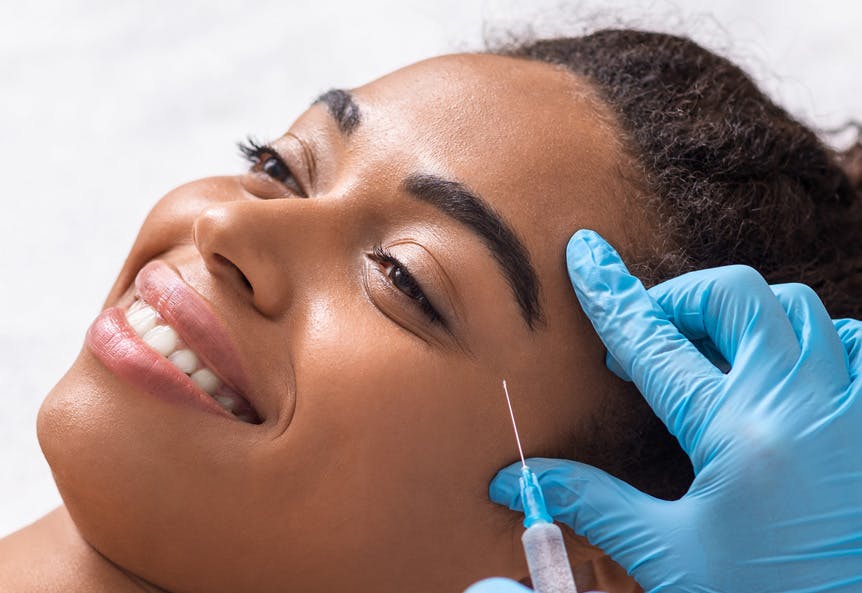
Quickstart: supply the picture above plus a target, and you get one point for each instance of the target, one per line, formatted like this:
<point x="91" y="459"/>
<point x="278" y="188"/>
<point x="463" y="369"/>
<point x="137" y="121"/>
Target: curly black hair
<point x="730" y="177"/>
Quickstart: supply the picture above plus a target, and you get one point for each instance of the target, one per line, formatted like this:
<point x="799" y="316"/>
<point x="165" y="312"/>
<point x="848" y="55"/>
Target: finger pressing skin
<point x="666" y="367"/>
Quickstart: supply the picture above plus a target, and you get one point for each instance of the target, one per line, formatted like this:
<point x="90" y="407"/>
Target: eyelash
<point x="411" y="287"/>
<point x="258" y="155"/>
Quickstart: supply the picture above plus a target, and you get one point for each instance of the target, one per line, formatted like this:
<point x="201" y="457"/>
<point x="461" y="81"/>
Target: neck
<point x="51" y="555"/>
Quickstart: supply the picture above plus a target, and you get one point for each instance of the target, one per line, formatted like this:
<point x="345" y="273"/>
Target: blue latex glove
<point x="776" y="443"/>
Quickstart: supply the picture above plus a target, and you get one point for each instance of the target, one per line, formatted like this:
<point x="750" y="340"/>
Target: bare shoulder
<point x="24" y="560"/>
<point x="49" y="556"/>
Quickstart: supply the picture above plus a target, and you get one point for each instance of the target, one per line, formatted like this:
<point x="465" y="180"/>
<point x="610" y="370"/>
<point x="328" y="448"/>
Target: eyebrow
<point x="457" y="201"/>
<point x="343" y="109"/>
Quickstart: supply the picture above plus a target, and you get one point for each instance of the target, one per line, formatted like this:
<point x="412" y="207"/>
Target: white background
<point x="105" y="105"/>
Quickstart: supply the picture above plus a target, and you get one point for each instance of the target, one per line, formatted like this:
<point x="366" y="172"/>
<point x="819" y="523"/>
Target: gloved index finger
<point x="666" y="367"/>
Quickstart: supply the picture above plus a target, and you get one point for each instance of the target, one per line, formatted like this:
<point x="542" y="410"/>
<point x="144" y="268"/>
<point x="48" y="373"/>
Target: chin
<point x="91" y="442"/>
<point x="142" y="478"/>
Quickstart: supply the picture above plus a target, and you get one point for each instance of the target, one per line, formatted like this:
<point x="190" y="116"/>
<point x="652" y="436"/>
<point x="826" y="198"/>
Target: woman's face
<point x="367" y="306"/>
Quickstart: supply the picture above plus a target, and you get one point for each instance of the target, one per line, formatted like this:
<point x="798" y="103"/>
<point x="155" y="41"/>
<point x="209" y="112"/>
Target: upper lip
<point x="184" y="309"/>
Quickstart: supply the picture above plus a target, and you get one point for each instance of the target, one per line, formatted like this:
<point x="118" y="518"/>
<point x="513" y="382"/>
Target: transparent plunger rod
<point x="543" y="541"/>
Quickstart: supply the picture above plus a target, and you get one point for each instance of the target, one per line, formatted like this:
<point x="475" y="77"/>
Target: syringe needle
<point x="515" y="426"/>
<point x="543" y="541"/>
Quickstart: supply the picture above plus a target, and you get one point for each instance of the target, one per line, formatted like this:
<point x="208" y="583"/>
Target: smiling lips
<point x="165" y="340"/>
<point x="172" y="345"/>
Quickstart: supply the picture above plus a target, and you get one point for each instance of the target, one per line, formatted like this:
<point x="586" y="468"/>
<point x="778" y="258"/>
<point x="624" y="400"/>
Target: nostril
<point x="229" y="264"/>
<point x="246" y="282"/>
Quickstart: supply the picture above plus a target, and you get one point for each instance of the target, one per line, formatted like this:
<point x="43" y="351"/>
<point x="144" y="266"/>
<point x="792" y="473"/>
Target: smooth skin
<point x="382" y="429"/>
<point x="776" y="503"/>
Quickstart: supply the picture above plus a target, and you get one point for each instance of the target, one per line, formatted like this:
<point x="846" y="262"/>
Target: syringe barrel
<point x="547" y="559"/>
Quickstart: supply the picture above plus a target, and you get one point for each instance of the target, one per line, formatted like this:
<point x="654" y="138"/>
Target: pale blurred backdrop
<point x="105" y="105"/>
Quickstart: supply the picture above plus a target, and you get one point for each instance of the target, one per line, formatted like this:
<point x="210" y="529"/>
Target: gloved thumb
<point x="608" y="512"/>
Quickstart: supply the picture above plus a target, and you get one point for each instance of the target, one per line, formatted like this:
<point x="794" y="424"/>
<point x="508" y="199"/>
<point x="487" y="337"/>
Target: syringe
<point x="543" y="541"/>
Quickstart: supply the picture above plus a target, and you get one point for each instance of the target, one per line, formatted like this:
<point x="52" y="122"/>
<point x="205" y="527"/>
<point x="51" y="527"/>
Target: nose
<point x="261" y="247"/>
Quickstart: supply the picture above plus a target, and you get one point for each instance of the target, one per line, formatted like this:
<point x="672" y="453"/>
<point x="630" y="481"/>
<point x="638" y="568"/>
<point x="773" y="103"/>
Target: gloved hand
<point x="776" y="442"/>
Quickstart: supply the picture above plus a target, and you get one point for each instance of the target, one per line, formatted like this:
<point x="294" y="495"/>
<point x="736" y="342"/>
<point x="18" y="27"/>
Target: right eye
<point x="263" y="158"/>
<point x="404" y="282"/>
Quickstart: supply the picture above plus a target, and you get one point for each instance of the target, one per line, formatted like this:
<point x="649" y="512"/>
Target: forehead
<point x="531" y="138"/>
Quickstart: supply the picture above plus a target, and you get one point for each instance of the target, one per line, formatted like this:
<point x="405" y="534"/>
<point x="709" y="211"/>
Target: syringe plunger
<point x="547" y="559"/>
<point x="543" y="541"/>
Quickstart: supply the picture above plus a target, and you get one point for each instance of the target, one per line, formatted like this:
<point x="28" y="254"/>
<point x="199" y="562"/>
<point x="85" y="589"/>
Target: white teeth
<point x="247" y="417"/>
<point x="206" y="380"/>
<point x="143" y="319"/>
<point x="162" y="339"/>
<point x="137" y="305"/>
<point x="228" y="403"/>
<point x="185" y="360"/>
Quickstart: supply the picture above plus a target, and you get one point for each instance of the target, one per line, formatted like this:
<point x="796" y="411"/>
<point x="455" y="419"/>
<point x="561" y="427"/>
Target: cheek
<point x="373" y="397"/>
<point x="390" y="437"/>
<point x="171" y="219"/>
<point x="169" y="224"/>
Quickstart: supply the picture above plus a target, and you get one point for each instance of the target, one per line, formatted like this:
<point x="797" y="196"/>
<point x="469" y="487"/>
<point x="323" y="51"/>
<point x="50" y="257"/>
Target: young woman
<point x="295" y="381"/>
